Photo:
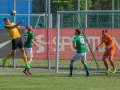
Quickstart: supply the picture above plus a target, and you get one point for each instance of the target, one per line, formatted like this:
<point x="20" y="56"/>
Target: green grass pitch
<point x="15" y="79"/>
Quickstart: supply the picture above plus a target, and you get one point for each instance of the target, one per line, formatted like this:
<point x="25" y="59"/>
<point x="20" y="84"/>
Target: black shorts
<point x="17" y="43"/>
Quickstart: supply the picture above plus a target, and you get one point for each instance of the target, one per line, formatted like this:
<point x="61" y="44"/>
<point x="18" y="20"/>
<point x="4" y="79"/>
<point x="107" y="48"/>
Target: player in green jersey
<point x="29" y="40"/>
<point x="80" y="47"/>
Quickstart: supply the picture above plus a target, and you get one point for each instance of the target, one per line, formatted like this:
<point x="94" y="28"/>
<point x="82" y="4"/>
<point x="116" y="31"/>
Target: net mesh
<point x="92" y="25"/>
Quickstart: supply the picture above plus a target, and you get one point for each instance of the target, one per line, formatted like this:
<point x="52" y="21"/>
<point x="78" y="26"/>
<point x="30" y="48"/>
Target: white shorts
<point x="78" y="56"/>
<point x="29" y="52"/>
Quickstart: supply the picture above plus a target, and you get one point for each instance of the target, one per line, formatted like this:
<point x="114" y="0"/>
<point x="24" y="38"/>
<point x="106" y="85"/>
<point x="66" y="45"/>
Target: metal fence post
<point x="14" y="62"/>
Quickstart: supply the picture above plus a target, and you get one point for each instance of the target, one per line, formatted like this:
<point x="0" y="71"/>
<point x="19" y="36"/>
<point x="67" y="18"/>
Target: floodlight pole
<point x="86" y="3"/>
<point x="78" y="10"/>
<point x="118" y="14"/>
<point x="113" y="14"/>
<point x="48" y="26"/>
<point x="14" y="7"/>
<point x="28" y="12"/>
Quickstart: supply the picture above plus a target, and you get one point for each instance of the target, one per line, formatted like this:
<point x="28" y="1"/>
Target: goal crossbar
<point x="73" y="12"/>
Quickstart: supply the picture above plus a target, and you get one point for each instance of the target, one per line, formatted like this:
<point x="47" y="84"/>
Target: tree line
<point x="39" y="6"/>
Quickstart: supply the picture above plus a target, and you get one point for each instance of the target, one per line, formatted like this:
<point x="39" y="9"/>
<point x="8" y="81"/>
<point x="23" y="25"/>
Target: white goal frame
<point x="58" y="27"/>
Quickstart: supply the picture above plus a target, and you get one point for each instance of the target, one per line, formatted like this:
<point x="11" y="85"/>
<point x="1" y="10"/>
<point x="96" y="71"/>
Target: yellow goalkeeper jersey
<point x="14" y="33"/>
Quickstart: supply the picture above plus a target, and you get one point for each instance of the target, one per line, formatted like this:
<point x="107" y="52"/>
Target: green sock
<point x="27" y="65"/>
<point x="86" y="67"/>
<point x="25" y="69"/>
<point x="71" y="68"/>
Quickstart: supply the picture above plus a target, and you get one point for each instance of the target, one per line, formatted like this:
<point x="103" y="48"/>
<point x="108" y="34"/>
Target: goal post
<point x="67" y="21"/>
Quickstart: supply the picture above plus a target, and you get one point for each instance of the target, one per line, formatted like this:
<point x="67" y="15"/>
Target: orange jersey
<point x="107" y="40"/>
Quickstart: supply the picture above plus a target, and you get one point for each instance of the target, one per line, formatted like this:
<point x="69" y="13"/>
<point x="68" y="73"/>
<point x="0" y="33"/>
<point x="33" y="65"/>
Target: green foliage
<point x="39" y="6"/>
<point x="104" y="5"/>
<point x="95" y="5"/>
<point x="69" y="5"/>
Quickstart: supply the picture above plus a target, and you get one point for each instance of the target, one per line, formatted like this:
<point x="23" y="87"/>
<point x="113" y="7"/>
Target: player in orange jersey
<point x="109" y="51"/>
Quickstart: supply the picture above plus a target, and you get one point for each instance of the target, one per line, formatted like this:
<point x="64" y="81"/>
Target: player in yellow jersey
<point x="15" y="36"/>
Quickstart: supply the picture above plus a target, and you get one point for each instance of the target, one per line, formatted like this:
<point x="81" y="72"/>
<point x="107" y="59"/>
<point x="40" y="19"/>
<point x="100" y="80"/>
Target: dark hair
<point x="78" y="31"/>
<point x="105" y="30"/>
<point x="5" y="19"/>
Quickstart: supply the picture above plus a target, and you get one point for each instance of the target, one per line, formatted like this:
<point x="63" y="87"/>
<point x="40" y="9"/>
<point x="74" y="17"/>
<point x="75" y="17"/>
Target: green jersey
<point x="28" y="39"/>
<point x="80" y="45"/>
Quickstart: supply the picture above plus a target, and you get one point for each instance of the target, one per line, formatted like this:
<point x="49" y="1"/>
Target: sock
<point x="71" y="68"/>
<point x="106" y="64"/>
<point x="24" y="57"/>
<point x="8" y="56"/>
<point x="86" y="67"/>
<point x="25" y="69"/>
<point x="113" y="64"/>
<point x="29" y="62"/>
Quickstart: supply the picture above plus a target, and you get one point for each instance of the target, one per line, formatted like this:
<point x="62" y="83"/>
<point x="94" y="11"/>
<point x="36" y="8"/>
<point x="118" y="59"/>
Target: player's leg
<point x="20" y="45"/>
<point x="25" y="71"/>
<point x="75" y="57"/>
<point x="112" y="61"/>
<point x="29" y="55"/>
<point x="71" y="67"/>
<point x="14" y="46"/>
<point x="106" y="64"/>
<point x="105" y="55"/>
<point x="29" y="62"/>
<point x="84" y="62"/>
<point x="4" y="59"/>
<point x="113" y="64"/>
<point x="24" y="58"/>
<point x="27" y="66"/>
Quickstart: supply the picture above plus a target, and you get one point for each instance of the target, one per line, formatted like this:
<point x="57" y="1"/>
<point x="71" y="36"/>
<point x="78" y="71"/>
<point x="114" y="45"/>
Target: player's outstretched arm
<point x="16" y="25"/>
<point x="21" y="28"/>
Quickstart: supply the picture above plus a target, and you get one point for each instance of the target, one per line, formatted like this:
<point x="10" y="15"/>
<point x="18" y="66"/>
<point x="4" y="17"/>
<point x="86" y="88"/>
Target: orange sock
<point x="106" y="64"/>
<point x="113" y="64"/>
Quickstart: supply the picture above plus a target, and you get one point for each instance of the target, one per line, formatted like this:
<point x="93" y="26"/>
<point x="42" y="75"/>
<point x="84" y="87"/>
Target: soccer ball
<point x="13" y="13"/>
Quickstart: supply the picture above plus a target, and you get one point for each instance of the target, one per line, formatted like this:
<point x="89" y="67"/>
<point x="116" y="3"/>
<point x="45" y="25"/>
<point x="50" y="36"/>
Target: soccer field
<point x="14" y="79"/>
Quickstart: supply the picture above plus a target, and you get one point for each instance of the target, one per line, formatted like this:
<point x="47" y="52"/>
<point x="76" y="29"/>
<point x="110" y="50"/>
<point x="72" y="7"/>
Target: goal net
<point x="91" y="23"/>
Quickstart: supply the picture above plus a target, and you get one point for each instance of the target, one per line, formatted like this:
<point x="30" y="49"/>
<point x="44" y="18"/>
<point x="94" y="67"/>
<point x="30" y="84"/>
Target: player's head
<point x="104" y="31"/>
<point x="6" y="20"/>
<point x="29" y="28"/>
<point x="77" y="32"/>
